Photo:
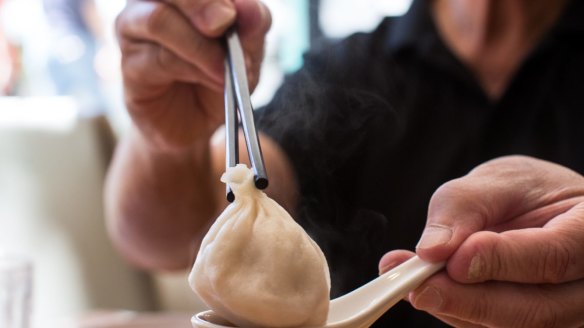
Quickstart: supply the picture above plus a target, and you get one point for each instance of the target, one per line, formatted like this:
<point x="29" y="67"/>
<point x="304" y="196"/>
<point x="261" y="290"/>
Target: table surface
<point x="129" y="319"/>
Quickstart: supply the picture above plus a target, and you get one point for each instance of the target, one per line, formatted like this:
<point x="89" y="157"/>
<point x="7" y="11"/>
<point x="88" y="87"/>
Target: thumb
<point x="511" y="192"/>
<point x="458" y="209"/>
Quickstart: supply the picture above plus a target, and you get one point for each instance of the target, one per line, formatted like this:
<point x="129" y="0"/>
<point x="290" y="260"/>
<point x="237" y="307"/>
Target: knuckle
<point x="126" y="60"/>
<point x="158" y="19"/>
<point x="506" y="165"/>
<point x="268" y="19"/>
<point x="461" y="195"/>
<point x="448" y="191"/>
<point x="135" y="61"/>
<point x="121" y="23"/>
<point x="125" y="46"/>
<point x="164" y="59"/>
<point x="183" y="4"/>
<point x="449" y="187"/>
<point x="464" y="188"/>
<point x="479" y="310"/>
<point x="494" y="263"/>
<point x="538" y="315"/>
<point x="555" y="262"/>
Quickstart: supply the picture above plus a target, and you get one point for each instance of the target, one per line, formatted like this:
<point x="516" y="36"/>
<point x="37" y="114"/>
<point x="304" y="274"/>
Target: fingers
<point x="522" y="306"/>
<point x="211" y="17"/>
<point x="189" y="30"/>
<point x="552" y="254"/>
<point x="253" y="19"/>
<point x="393" y="259"/>
<point x="454" y="322"/>
<point x="157" y="23"/>
<point x="163" y="67"/>
<point x="491" y="197"/>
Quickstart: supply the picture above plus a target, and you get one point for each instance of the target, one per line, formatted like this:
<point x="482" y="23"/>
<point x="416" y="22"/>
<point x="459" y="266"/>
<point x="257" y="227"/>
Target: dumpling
<point x="257" y="267"/>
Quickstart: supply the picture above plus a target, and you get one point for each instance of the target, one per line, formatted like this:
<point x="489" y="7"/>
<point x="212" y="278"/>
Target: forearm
<point x="160" y="204"/>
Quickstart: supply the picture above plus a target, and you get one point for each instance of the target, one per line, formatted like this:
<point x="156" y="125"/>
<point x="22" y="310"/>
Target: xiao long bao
<point x="257" y="267"/>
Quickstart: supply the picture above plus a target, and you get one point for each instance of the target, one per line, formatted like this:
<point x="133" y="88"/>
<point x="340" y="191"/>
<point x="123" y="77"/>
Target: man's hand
<point x="163" y="189"/>
<point x="512" y="231"/>
<point x="172" y="63"/>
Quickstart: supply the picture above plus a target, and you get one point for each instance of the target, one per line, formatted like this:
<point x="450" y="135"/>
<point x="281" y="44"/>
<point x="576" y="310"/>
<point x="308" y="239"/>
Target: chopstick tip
<point x="230" y="196"/>
<point x="261" y="183"/>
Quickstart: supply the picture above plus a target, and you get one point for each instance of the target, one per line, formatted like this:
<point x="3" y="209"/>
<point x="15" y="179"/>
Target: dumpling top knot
<point x="241" y="180"/>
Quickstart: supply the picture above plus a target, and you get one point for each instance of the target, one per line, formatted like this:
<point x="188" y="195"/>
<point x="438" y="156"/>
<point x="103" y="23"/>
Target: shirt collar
<point x="409" y="30"/>
<point x="416" y="29"/>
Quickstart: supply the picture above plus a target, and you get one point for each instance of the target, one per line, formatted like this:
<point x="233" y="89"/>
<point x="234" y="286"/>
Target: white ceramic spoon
<point x="361" y="307"/>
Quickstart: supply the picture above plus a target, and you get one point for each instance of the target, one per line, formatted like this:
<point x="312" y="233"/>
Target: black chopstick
<point x="237" y="97"/>
<point x="231" y="128"/>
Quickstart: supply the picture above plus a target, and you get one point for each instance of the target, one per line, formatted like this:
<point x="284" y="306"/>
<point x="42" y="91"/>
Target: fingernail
<point x="428" y="300"/>
<point x="435" y="235"/>
<point x="476" y="268"/>
<point x="216" y="15"/>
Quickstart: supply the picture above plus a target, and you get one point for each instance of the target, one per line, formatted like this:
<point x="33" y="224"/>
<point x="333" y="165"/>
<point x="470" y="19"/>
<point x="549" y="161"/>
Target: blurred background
<point x="61" y="112"/>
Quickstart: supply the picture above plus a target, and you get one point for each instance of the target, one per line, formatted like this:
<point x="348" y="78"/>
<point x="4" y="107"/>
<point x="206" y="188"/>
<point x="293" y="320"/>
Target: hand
<point x="513" y="233"/>
<point x="172" y="63"/>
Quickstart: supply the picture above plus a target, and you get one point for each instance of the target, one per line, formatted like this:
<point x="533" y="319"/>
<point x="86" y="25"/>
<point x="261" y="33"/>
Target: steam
<point x="329" y="131"/>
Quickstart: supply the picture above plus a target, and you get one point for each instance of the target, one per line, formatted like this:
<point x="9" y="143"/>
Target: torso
<point x="375" y="124"/>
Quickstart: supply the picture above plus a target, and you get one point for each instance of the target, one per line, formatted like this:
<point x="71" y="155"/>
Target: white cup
<point x="15" y="291"/>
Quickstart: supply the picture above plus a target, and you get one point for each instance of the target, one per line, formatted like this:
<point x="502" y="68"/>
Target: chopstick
<point x="231" y="127"/>
<point x="236" y="97"/>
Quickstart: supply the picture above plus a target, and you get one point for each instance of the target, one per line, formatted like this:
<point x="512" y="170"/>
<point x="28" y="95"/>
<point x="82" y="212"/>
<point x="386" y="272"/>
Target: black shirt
<point x="375" y="123"/>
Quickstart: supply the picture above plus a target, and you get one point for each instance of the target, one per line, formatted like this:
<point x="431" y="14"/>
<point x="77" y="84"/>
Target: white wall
<point x="51" y="181"/>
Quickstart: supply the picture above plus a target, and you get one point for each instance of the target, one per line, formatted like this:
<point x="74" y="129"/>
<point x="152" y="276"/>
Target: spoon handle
<point x="410" y="274"/>
<point x="363" y="306"/>
<point x="401" y="280"/>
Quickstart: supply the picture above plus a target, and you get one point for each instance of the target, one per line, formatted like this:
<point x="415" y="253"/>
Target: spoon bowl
<point x="361" y="307"/>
